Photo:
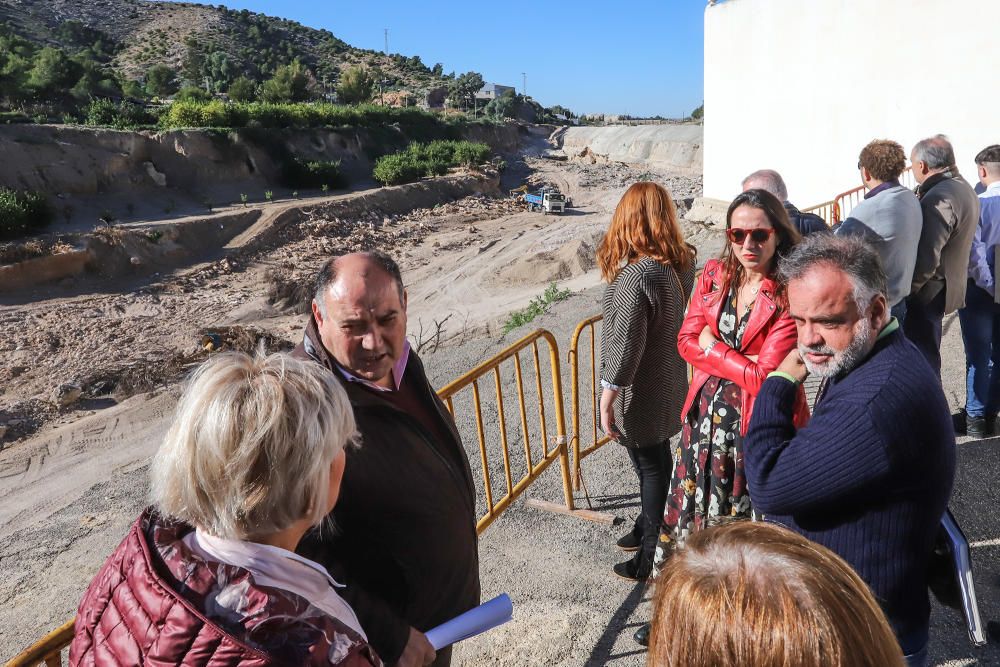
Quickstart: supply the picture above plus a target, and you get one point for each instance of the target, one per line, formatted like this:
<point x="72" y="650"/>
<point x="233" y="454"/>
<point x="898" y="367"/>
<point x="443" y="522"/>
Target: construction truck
<point x="546" y="200"/>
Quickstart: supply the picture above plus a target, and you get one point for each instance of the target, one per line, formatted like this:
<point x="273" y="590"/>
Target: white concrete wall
<point x="802" y="85"/>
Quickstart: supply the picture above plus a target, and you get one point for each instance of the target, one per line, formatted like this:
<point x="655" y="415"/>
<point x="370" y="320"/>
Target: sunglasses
<point x="738" y="236"/>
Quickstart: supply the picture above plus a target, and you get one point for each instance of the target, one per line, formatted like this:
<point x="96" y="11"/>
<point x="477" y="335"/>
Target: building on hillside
<point x="491" y="91"/>
<point x="801" y="87"/>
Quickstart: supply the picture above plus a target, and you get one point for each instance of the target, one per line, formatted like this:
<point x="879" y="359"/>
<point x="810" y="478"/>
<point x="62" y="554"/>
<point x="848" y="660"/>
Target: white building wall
<point x="802" y="85"/>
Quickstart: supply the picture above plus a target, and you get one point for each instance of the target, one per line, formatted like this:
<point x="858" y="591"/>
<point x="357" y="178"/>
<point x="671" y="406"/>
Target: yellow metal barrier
<point x="47" y="650"/>
<point x="596" y="439"/>
<point x="840" y="207"/>
<point x="558" y="450"/>
<point x="827" y="210"/>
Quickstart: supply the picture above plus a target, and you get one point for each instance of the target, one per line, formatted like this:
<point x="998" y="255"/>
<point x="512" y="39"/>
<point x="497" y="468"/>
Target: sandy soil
<point x="73" y="479"/>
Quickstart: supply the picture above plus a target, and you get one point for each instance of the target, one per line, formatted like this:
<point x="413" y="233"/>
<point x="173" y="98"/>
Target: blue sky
<point x="642" y="57"/>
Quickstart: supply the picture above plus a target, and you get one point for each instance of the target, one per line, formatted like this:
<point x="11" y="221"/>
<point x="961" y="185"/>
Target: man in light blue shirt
<point x="889" y="218"/>
<point x="980" y="319"/>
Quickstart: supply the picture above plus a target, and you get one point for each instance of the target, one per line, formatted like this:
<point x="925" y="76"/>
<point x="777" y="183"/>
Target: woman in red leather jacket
<point x="737" y="330"/>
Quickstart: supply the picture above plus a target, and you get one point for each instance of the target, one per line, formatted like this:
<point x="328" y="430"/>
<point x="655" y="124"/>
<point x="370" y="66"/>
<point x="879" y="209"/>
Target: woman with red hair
<point x="650" y="271"/>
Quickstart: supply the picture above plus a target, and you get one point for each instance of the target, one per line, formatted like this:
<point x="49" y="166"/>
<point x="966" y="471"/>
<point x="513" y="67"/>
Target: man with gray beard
<point x="870" y="475"/>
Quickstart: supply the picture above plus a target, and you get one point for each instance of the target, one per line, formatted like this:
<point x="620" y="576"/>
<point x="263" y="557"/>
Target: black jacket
<point x="806" y="223"/>
<point x="405" y="538"/>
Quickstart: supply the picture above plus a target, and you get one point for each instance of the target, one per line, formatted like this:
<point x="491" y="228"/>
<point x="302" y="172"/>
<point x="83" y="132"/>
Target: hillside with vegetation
<point x="57" y="55"/>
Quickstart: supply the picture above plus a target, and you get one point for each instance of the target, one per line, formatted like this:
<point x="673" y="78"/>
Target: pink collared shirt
<point x="278" y="568"/>
<point x="397" y="371"/>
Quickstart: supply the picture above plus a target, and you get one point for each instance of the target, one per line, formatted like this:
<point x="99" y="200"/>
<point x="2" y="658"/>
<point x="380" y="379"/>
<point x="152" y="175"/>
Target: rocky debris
<point x="24" y="418"/>
<point x="66" y="394"/>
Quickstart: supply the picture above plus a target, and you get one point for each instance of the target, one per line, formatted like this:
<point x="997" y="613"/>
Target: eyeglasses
<point x="738" y="236"/>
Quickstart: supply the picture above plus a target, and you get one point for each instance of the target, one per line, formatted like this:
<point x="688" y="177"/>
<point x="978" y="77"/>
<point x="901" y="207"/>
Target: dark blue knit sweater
<point x="869" y="477"/>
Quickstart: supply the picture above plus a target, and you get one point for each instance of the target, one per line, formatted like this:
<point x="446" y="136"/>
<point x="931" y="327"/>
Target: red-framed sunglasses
<point x="738" y="236"/>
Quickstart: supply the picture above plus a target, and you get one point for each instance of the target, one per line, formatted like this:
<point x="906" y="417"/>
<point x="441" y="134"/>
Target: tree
<point x="290" y="83"/>
<point x="242" y="89"/>
<point x="438" y="69"/>
<point x="15" y="60"/>
<point x="219" y="69"/>
<point x="501" y="107"/>
<point x="560" y="110"/>
<point x="160" y="81"/>
<point x="462" y="90"/>
<point x="355" y="86"/>
<point x="192" y="94"/>
<point x="699" y="113"/>
<point x="52" y="72"/>
<point x="94" y="81"/>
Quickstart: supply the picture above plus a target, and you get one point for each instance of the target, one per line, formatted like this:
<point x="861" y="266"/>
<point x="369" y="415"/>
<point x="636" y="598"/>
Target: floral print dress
<point x="708" y="481"/>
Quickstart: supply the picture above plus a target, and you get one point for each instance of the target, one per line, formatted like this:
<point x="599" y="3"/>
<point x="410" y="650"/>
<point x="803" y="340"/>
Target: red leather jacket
<point x="770" y="334"/>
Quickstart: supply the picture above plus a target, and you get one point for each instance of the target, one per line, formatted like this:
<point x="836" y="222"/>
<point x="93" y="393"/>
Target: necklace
<point x="753" y="296"/>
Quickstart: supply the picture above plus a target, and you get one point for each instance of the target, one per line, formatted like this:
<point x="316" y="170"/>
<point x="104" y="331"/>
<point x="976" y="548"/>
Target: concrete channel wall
<point x="672" y="146"/>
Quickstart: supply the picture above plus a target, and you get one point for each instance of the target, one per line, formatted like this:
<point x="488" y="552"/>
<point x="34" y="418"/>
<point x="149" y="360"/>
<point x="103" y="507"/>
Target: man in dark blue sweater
<point x="870" y="476"/>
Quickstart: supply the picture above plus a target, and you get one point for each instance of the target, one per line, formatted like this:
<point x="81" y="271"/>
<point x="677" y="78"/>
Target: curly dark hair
<point x="884" y="159"/>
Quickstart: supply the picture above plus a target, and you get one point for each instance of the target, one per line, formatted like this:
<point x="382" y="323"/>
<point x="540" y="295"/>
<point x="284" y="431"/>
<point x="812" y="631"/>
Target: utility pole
<point x="386" y="30"/>
<point x="524" y="84"/>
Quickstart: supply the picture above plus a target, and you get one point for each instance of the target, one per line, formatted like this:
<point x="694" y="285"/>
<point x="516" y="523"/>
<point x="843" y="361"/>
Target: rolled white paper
<point x="476" y="621"/>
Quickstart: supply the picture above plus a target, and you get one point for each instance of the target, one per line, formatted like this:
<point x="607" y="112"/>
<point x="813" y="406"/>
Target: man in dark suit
<point x="770" y="180"/>
<point x="950" y="214"/>
<point x="405" y="529"/>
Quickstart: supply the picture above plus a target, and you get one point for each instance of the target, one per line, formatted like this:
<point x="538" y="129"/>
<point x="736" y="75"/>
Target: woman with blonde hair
<point x="650" y="271"/>
<point x="754" y="594"/>
<point x="209" y="575"/>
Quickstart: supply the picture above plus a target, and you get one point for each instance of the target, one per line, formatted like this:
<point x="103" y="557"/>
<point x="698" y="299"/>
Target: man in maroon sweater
<point x="405" y="530"/>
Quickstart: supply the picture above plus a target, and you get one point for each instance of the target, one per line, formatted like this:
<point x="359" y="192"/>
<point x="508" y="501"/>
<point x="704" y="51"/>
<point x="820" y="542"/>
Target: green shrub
<point x="537" y="306"/>
<point x="398" y="168"/>
<point x="469" y="154"/>
<point x="192" y="94"/>
<point x="22" y="212"/>
<point x="313" y="173"/>
<point x="417" y="124"/>
<point x="433" y="159"/>
<point x="123" y="115"/>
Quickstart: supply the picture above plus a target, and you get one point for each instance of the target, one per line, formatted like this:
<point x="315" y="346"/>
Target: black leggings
<point x="653" y="465"/>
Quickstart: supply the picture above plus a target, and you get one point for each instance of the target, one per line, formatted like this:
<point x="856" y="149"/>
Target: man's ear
<point x="405" y="296"/>
<point x="317" y="314"/>
<point x="865" y="175"/>
<point x="879" y="312"/>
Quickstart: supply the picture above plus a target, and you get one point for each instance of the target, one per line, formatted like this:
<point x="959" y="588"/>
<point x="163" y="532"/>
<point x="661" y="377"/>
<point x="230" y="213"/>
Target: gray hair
<point x="328" y="274"/>
<point x="936" y="152"/>
<point x="767" y="179"/>
<point x="251" y="445"/>
<point x="989" y="158"/>
<point x="846" y="253"/>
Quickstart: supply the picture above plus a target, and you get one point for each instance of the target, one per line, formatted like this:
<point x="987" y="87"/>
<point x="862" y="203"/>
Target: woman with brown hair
<point x="787" y="601"/>
<point x="650" y="271"/>
<point x="737" y="330"/>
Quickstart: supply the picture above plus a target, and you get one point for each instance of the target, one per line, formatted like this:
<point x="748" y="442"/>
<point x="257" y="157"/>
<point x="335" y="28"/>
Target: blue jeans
<point x="980" y="320"/>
